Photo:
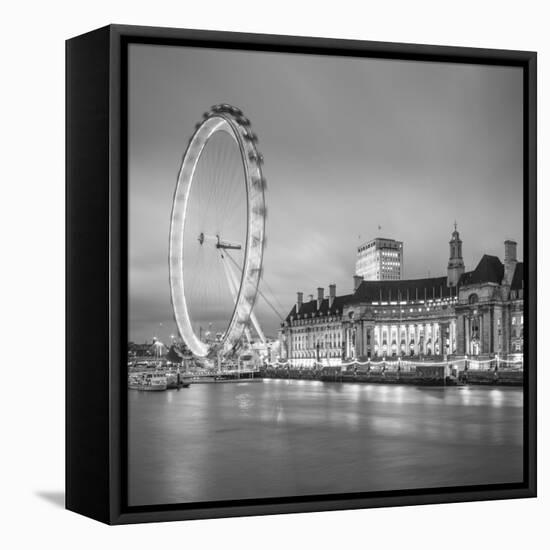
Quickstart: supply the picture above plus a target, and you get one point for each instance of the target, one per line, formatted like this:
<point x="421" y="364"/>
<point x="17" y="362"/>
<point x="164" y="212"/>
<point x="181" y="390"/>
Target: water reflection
<point x="288" y="437"/>
<point x="497" y="397"/>
<point x="244" y="402"/>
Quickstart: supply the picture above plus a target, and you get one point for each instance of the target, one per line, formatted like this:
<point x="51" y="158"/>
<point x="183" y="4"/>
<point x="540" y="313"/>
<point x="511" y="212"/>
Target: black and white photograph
<point x="275" y="275"/>
<point x="325" y="275"/>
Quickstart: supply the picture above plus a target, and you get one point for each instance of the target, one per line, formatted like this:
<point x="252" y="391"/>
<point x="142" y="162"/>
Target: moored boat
<point x="147" y="381"/>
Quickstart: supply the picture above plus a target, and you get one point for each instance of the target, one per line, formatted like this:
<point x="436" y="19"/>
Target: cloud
<point x="349" y="144"/>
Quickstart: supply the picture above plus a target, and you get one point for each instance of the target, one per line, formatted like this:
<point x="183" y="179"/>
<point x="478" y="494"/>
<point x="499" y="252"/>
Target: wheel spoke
<point x="217" y="208"/>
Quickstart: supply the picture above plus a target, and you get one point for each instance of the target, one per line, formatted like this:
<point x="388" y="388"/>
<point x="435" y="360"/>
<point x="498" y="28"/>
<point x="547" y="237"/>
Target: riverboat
<point x="147" y="381"/>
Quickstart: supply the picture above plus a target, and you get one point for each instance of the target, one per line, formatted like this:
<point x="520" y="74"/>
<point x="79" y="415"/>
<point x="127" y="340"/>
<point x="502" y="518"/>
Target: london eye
<point x="217" y="234"/>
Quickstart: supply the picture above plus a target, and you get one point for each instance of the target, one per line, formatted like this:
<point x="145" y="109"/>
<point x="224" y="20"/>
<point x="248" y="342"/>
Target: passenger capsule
<point x="260" y="211"/>
<point x="261" y="183"/>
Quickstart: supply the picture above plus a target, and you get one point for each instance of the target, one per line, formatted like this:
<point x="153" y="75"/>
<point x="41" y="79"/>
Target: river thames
<point x="295" y="437"/>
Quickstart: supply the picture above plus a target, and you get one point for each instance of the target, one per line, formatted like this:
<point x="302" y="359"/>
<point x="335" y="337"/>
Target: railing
<point x="228" y="372"/>
<point x="465" y="363"/>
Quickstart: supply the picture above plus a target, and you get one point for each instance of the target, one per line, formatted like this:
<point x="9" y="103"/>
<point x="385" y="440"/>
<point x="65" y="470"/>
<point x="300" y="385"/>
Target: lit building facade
<point x="380" y="260"/>
<point x="489" y="311"/>
<point x="313" y="331"/>
<point x="400" y="318"/>
<point x="477" y="313"/>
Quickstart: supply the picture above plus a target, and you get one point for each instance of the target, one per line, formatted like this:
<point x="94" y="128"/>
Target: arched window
<point x="473" y="299"/>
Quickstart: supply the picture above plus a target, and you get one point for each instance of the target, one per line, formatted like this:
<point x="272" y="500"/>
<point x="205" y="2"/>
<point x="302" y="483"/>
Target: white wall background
<point x="32" y="273"/>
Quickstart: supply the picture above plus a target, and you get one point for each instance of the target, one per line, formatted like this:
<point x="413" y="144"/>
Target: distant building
<point x="380" y="260"/>
<point x="267" y="350"/>
<point x="140" y="350"/>
<point x="153" y="350"/>
<point x="477" y="313"/>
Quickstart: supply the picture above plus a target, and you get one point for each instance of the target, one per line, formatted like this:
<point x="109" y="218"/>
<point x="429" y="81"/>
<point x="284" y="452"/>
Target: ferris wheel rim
<point x="223" y="118"/>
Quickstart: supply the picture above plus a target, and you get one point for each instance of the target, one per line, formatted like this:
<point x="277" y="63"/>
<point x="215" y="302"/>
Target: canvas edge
<point x="114" y="509"/>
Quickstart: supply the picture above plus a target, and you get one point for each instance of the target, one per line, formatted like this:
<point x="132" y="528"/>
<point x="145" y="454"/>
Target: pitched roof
<point x="408" y="289"/>
<point x="517" y="279"/>
<point x="379" y="291"/>
<point x="489" y="270"/>
<point x="310" y="308"/>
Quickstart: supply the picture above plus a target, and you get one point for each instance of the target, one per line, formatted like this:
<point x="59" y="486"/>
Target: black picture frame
<point x="96" y="267"/>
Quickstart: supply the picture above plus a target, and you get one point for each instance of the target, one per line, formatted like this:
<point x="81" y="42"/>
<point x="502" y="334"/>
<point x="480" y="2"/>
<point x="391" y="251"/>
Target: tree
<point x="174" y="355"/>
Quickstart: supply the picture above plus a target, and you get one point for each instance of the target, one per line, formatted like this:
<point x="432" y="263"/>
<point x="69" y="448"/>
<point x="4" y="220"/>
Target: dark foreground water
<point x="296" y="437"/>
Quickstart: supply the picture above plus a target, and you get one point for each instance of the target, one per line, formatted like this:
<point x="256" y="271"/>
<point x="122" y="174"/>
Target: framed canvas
<point x="301" y="274"/>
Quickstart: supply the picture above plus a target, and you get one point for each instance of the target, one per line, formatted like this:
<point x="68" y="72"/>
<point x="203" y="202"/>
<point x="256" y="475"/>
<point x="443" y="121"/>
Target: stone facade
<point x="477" y="313"/>
<point x="312" y="333"/>
<point x="489" y="311"/>
<point x="406" y="326"/>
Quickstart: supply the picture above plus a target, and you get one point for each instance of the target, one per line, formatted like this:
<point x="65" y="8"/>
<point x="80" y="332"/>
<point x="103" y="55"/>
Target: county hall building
<point x="477" y="313"/>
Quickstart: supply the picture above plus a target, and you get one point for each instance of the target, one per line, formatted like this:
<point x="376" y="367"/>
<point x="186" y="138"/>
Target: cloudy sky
<point x="350" y="144"/>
